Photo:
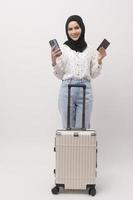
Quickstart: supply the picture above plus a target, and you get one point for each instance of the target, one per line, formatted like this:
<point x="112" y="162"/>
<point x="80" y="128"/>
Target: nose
<point x="73" y="31"/>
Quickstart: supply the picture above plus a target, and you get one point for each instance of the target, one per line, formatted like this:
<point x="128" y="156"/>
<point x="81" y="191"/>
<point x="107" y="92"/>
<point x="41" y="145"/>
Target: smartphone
<point x="54" y="43"/>
<point x="105" y="43"/>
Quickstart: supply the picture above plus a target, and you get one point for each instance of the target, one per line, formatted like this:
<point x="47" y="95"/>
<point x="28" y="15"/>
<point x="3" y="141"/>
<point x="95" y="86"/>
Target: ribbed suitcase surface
<point x="75" y="158"/>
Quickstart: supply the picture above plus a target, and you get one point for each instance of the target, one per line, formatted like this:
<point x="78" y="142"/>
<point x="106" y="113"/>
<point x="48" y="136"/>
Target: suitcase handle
<point x="68" y="108"/>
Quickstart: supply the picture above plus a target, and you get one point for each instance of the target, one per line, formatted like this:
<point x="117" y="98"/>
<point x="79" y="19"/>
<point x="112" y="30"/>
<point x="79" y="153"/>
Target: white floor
<point x="26" y="173"/>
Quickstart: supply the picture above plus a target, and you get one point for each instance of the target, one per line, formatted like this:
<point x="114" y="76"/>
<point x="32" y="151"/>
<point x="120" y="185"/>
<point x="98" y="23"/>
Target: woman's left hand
<point x="101" y="54"/>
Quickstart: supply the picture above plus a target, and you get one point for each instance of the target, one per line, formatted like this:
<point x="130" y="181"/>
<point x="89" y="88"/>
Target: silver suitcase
<point x="76" y="155"/>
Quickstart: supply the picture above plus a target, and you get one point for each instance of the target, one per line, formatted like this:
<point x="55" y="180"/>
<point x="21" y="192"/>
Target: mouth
<point x="75" y="37"/>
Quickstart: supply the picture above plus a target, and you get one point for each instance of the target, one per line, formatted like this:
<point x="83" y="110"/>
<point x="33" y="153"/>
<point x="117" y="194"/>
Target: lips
<point x="74" y="36"/>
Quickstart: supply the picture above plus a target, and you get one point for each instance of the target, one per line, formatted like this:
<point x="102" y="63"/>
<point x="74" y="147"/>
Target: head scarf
<point x="80" y="44"/>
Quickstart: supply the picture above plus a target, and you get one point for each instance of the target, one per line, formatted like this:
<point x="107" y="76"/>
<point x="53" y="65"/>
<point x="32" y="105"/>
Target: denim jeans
<point x="76" y="103"/>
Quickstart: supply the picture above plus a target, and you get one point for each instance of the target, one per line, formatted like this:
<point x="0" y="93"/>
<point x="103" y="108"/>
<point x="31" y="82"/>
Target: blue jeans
<point x="76" y="103"/>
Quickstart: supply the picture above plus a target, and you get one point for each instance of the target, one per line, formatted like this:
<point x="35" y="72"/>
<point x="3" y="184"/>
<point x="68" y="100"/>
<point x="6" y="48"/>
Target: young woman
<point x="76" y="63"/>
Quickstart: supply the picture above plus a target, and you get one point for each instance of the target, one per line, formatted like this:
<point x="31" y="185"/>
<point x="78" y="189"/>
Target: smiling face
<point x="74" y="30"/>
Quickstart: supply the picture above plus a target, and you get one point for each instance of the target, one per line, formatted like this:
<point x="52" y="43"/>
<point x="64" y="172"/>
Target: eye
<point x="69" y="29"/>
<point x="76" y="27"/>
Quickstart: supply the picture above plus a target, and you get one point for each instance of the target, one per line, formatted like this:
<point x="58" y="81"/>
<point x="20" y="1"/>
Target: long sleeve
<point x="80" y="65"/>
<point x="59" y="68"/>
<point x="95" y="68"/>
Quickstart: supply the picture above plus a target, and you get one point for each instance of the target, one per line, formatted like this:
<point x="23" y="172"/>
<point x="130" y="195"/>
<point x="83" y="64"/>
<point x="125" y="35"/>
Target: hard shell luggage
<point x="76" y="155"/>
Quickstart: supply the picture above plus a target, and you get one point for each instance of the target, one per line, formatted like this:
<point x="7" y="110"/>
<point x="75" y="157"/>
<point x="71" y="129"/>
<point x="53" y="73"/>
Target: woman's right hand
<point x="55" y="53"/>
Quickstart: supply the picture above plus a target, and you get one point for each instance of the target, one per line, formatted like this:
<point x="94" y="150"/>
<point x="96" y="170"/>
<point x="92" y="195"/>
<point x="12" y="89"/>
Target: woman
<point x="76" y="63"/>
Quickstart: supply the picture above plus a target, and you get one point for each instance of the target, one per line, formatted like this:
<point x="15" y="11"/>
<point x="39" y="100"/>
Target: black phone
<point x="105" y="43"/>
<point x="54" y="43"/>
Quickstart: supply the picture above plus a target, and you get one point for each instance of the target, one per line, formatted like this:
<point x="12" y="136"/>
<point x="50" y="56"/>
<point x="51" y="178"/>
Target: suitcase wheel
<point x="92" y="191"/>
<point x="55" y="190"/>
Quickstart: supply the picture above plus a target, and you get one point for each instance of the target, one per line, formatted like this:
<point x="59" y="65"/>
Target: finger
<point x="57" y="50"/>
<point x="102" y="49"/>
<point x="53" y="48"/>
<point x="54" y="51"/>
<point x="58" y="53"/>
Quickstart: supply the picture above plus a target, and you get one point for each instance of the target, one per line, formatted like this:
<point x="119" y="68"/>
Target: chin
<point x="75" y="39"/>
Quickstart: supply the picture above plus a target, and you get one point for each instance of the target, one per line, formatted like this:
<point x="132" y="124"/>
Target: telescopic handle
<point x="69" y="99"/>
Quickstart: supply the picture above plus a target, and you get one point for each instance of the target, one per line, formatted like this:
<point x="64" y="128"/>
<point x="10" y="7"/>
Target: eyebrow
<point x="74" y="27"/>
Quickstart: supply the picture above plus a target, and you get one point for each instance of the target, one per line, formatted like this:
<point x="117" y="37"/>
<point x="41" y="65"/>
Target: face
<point x="74" y="30"/>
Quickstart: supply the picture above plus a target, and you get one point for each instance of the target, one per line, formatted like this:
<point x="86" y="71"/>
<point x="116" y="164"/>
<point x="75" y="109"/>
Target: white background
<point x="29" y="114"/>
